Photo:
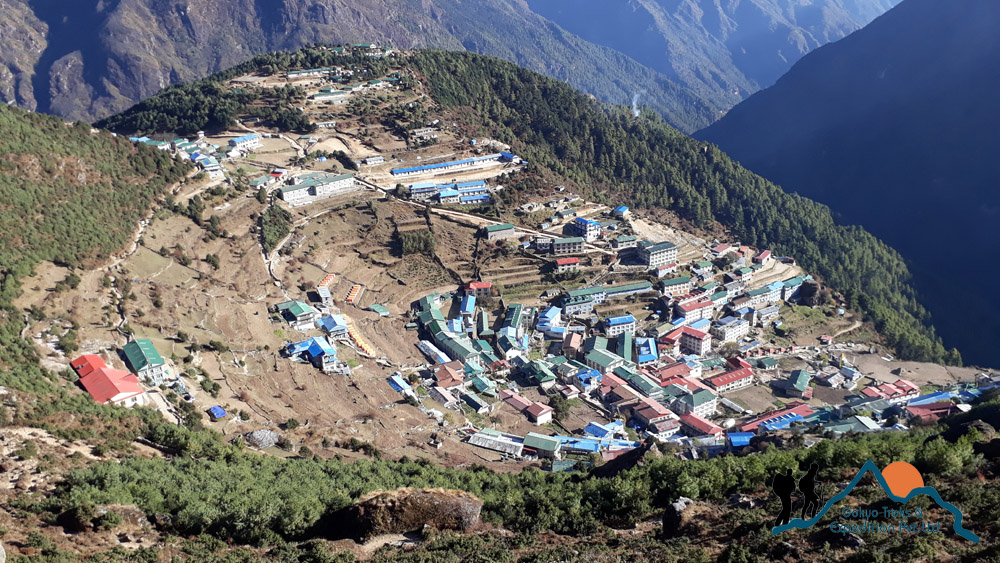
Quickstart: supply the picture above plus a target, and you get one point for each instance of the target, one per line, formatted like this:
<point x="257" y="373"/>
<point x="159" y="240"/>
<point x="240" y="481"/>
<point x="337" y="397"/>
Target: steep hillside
<point x="69" y="196"/>
<point x="689" y="61"/>
<point x="893" y="128"/>
<point x="89" y="59"/>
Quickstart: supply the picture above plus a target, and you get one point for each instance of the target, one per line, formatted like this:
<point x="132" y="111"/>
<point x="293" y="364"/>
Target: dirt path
<point x="853" y="326"/>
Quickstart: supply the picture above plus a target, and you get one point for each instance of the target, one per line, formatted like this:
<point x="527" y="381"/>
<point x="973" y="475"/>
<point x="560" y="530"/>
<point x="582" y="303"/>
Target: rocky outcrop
<point x="406" y="510"/>
<point x="679" y="516"/>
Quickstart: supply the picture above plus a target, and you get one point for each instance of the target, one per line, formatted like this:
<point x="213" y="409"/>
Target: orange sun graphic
<point x="902" y="478"/>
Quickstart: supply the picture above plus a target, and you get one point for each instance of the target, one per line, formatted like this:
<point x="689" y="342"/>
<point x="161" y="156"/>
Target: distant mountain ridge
<point x="895" y="128"/>
<point x="722" y="50"/>
<point x="88" y="59"/>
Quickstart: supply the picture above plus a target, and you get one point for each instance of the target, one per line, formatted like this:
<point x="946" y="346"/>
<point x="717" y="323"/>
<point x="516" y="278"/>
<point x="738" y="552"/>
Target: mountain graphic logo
<point x="900" y="481"/>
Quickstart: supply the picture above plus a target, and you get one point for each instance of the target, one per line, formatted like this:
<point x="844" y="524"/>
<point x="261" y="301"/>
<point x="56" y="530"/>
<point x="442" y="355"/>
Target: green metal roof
<point x="799" y="379"/>
<point x="586" y="291"/>
<point x="568" y="240"/>
<point x="141" y="353"/>
<point x="603" y="358"/>
<point x="676" y="281"/>
<point x="501" y="227"/>
<point x="698" y="398"/>
<point x="541" y="442"/>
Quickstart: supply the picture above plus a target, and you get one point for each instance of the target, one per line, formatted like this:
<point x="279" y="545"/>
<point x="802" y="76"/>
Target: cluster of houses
<point x="662" y="380"/>
<point x="311" y="187"/>
<point x="107" y="385"/>
<point x="462" y="193"/>
<point x="205" y="155"/>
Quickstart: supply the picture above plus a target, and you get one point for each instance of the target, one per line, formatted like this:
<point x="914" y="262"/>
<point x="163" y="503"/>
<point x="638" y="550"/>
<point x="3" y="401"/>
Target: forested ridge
<point x="70" y="196"/>
<point x="644" y="162"/>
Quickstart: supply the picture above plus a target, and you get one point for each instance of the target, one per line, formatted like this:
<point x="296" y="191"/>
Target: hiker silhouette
<point x="783" y="486"/>
<point x="807" y="485"/>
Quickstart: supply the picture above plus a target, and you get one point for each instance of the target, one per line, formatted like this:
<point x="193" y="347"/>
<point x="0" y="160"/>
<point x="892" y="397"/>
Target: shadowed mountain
<point x="894" y="128"/>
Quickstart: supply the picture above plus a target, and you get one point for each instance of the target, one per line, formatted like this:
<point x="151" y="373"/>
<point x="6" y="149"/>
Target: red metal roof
<point x="538" y="409"/>
<point x="694" y="306"/>
<point x="730" y="377"/>
<point x="87" y="364"/>
<point x="800" y="409"/>
<point x="684" y="330"/>
<point x="480" y="285"/>
<point x="700" y="424"/>
<point x="566" y="261"/>
<point x="105" y="384"/>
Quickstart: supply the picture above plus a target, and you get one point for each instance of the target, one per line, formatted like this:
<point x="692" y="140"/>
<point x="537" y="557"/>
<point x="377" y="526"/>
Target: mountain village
<point x="552" y="327"/>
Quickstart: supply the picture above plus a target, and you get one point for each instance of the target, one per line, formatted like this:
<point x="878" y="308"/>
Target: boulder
<point x="261" y="438"/>
<point x="678" y="517"/>
<point x="742" y="501"/>
<point x="407" y="510"/>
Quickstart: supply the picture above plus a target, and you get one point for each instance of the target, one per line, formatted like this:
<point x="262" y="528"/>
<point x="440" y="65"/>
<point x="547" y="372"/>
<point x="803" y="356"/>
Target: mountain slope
<point x="721" y="50"/>
<point x="93" y="58"/>
<point x="689" y="61"/>
<point x="893" y="127"/>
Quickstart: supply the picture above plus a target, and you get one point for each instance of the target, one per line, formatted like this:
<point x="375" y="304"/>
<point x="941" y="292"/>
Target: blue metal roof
<point x="333" y="322"/>
<point x="621" y="208"/>
<point x="319" y="347"/>
<point x="781" y="422"/>
<point x="451" y="163"/>
<point x="468" y="304"/>
<point x="448" y="193"/>
<point x="217" y="412"/>
<point x="620" y="320"/>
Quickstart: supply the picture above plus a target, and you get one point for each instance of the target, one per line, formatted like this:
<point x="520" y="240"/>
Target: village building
<point x="443" y="396"/>
<point x="568" y="245"/>
<point x="730" y="329"/>
<point x="450" y="374"/>
<point x="245" y="143"/>
<point x="106" y="385"/>
<point x="298" y="314"/>
<point x="739" y="376"/>
<point x="621" y="242"/>
<point x="613" y="326"/>
<point x="676" y="286"/>
<point x="656" y="255"/>
<point x="539" y="414"/>
<point x="689" y="340"/>
<point x="567" y="264"/>
<point x="498" y="441"/>
<point x="145" y="361"/>
<point x="313" y="187"/>
<point x="499" y="232"/>
<point x="694" y="425"/>
<point x="589" y="229"/>
<point x="762" y="257"/>
<point x="899" y="392"/>
<point x="543" y="446"/>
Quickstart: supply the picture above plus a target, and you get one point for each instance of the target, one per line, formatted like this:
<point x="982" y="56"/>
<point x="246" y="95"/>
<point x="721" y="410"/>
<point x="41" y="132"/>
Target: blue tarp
<point x="399" y="384"/>
<point x="216" y="412"/>
<point x="739" y="439"/>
